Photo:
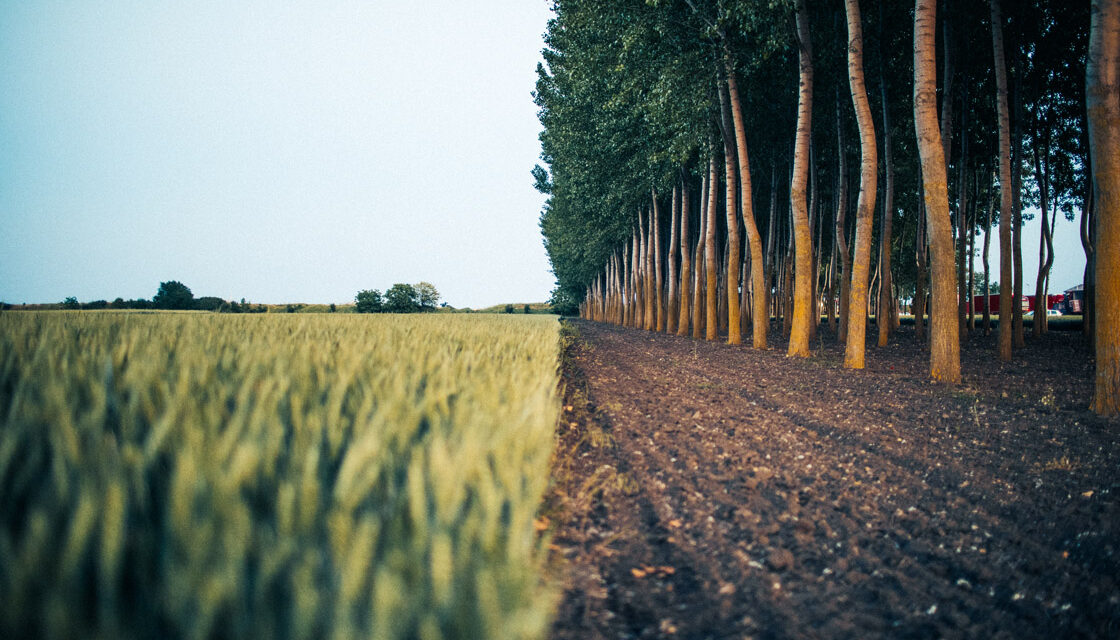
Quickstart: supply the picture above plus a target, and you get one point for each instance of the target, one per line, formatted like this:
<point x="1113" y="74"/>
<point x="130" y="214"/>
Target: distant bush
<point x="402" y="298"/>
<point x="509" y="308"/>
<point x="173" y="295"/>
<point x="367" y="301"/>
<point x="209" y="303"/>
<point x="71" y="303"/>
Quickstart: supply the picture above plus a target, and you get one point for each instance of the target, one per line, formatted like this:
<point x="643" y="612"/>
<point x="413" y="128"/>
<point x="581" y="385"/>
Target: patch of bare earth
<point x="710" y="491"/>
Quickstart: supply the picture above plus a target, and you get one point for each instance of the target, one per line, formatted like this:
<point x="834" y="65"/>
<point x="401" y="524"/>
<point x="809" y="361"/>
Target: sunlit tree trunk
<point x="759" y="317"/>
<point x="868" y="184"/>
<point x="730" y="164"/>
<point x="1102" y="89"/>
<point x="711" y="253"/>
<point x="1005" y="189"/>
<point x="802" y="233"/>
<point x="674" y="253"/>
<point x="945" y="363"/>
<point x="686" y="260"/>
<point x="699" y="295"/>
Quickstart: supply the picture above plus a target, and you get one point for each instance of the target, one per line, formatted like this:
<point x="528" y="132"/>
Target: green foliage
<point x="402" y="298"/>
<point x="173" y="295"/>
<point x="509" y="308"/>
<point x="368" y="301"/>
<point x="426" y="296"/>
<point x="306" y="476"/>
<point x="209" y="303"/>
<point x="71" y="303"/>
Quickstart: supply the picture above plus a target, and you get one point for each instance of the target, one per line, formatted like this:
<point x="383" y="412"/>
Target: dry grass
<point x="279" y="476"/>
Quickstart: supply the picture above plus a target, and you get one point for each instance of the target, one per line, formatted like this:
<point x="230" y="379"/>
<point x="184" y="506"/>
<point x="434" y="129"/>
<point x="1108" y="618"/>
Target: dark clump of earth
<point x="712" y="491"/>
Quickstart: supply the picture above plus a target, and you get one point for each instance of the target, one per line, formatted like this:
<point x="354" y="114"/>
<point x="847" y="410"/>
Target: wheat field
<point x="274" y="476"/>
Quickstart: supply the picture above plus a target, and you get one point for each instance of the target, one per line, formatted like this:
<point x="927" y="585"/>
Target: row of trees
<point x="399" y="298"/>
<point x="658" y="217"/>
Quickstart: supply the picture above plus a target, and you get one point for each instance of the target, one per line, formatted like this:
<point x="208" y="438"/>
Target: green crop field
<point x="279" y="476"/>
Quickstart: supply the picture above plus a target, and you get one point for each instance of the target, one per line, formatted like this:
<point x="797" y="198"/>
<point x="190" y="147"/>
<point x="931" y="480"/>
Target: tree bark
<point x="1005" y="190"/>
<point x="802" y="233"/>
<point x="657" y="274"/>
<point x="699" y="295"/>
<point x="962" y="214"/>
<point x="844" y="262"/>
<point x="711" y="253"/>
<point x="730" y="163"/>
<point x="674" y="254"/>
<point x="945" y="363"/>
<point x="854" y="349"/>
<point x="759" y="317"/>
<point x="686" y="259"/>
<point x="987" y="264"/>
<point x="885" y="317"/>
<point x="1038" y="319"/>
<point x="1102" y="90"/>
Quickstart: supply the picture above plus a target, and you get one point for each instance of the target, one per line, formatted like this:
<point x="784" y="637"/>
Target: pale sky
<point x="293" y="151"/>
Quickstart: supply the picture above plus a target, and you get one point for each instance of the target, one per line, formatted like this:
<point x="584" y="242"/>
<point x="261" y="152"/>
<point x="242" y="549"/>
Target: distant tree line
<point x="399" y="298"/>
<point x="171" y="295"/>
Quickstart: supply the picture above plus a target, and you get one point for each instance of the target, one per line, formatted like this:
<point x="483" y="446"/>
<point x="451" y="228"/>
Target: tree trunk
<point x="987" y="264"/>
<point x="1005" y="190"/>
<point x="919" y="305"/>
<point x="945" y="362"/>
<point x="657" y="273"/>
<point x="802" y="233"/>
<point x="1038" y="319"/>
<point x="686" y="259"/>
<point x="885" y="318"/>
<point x="759" y="317"/>
<point x="815" y="226"/>
<point x="844" y="263"/>
<point x="711" y="253"/>
<point x="734" y="335"/>
<point x="699" y="295"/>
<point x="1102" y="89"/>
<point x="674" y="252"/>
<point x="1017" y="219"/>
<point x="962" y="214"/>
<point x="868" y="184"/>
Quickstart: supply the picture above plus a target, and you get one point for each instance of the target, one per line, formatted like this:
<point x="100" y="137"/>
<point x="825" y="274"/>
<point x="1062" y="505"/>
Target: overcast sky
<point x="277" y="151"/>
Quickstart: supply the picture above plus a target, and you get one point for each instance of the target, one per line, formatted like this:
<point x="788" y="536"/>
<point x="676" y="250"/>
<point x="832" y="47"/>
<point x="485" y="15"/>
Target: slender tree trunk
<point x="844" y="262"/>
<point x="730" y="163"/>
<point x="868" y="185"/>
<point x="815" y="226"/>
<point x="1017" y="219"/>
<point x="802" y="233"/>
<point x="1038" y="319"/>
<point x="922" y="259"/>
<point x="1102" y="89"/>
<point x="971" y="271"/>
<point x="686" y="259"/>
<point x="962" y="214"/>
<point x="988" y="264"/>
<point x="711" y="253"/>
<point x="886" y="283"/>
<point x="674" y="252"/>
<point x="1005" y="188"/>
<point x="754" y="240"/>
<point x="945" y="361"/>
<point x="699" y="294"/>
<point x="658" y="274"/>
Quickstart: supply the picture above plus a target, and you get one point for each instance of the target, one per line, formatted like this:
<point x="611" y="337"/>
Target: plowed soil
<point x="714" y="491"/>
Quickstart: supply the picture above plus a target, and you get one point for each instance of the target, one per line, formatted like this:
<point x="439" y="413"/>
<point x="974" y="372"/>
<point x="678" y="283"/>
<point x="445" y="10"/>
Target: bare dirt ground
<point x="711" y="491"/>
